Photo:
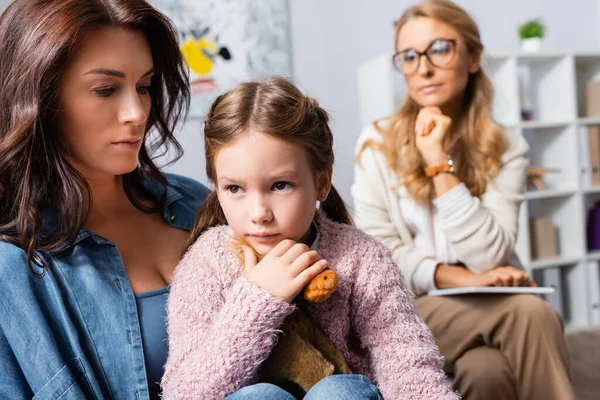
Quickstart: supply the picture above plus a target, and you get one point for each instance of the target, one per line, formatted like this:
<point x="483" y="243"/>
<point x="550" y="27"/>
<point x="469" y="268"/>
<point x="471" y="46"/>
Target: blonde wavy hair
<point x="481" y="142"/>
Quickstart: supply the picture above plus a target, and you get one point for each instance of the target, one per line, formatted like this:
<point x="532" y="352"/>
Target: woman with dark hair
<point x="90" y="229"/>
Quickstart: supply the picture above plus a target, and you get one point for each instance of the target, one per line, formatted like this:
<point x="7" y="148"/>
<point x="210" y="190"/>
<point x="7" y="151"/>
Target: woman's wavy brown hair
<point x="276" y="108"/>
<point x="38" y="38"/>
<point x="481" y="142"/>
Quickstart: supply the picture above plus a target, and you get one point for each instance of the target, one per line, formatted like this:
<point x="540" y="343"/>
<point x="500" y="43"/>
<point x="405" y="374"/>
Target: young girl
<point x="269" y="154"/>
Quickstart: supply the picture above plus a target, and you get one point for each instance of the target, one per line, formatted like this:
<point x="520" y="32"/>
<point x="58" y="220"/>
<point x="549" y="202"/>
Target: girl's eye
<point x="104" y="92"/>
<point x="281" y="186"/>
<point x="234" y="189"/>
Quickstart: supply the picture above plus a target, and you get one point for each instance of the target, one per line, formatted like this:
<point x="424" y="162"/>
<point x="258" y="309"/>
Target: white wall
<point x="192" y="163"/>
<point x="331" y="38"/>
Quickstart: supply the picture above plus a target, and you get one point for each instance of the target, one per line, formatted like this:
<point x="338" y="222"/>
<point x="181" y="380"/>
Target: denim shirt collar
<point x="156" y="189"/>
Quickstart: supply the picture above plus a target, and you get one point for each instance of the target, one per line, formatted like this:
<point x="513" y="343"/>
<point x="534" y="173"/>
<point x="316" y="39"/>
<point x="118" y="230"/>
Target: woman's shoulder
<point x="188" y="187"/>
<point x="189" y="195"/>
<point x="370" y="142"/>
<point x="12" y="259"/>
<point x="372" y="132"/>
<point x="15" y="275"/>
<point x="516" y="145"/>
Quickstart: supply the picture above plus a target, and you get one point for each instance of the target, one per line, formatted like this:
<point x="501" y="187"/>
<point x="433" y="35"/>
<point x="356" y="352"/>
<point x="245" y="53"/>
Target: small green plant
<point x="531" y="29"/>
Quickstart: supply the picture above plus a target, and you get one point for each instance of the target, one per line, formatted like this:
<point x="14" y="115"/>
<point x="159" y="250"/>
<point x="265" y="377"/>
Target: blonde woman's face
<point x="267" y="189"/>
<point x="428" y="84"/>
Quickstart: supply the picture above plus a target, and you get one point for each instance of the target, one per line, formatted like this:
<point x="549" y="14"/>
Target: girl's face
<point x="428" y="84"/>
<point x="104" y="102"/>
<point x="268" y="190"/>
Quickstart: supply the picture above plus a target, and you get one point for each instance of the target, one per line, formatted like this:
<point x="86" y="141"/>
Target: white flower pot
<point x="531" y="45"/>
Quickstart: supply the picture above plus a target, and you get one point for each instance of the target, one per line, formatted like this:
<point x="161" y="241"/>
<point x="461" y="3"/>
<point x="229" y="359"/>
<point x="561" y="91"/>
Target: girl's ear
<point x="324" y="184"/>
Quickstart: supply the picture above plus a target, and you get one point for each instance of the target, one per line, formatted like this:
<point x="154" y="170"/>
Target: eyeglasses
<point x="439" y="53"/>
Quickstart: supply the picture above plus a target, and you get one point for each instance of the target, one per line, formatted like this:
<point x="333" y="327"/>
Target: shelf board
<point x="572" y="327"/>
<point x="541" y="57"/>
<point x="544" y="124"/>
<point x="592" y="189"/>
<point x="496" y="56"/>
<point x="588" y="121"/>
<point x="582" y="57"/>
<point x="553" y="262"/>
<point x="528" y="58"/>
<point x="593" y="255"/>
<point x="549" y="193"/>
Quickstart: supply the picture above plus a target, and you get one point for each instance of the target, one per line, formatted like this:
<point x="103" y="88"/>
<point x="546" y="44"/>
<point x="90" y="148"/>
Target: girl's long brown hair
<point x="38" y="38"/>
<point x="277" y="108"/>
<point x="478" y="152"/>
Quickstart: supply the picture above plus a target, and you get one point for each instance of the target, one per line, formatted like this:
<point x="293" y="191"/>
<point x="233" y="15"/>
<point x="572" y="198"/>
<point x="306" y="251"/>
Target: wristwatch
<point x="448" y="167"/>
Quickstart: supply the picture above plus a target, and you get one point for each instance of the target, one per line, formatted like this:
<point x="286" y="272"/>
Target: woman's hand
<point x="285" y="270"/>
<point x="451" y="276"/>
<point x="431" y="129"/>
<point x="501" y="276"/>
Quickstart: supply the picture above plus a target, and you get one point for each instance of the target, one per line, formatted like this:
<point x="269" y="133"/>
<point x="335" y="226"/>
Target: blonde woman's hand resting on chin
<point x="285" y="269"/>
<point x="431" y="129"/>
<point x="450" y="276"/>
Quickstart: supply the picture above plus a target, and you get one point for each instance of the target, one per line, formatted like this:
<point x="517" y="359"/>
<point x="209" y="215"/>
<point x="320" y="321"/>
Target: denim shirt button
<point x="172" y="218"/>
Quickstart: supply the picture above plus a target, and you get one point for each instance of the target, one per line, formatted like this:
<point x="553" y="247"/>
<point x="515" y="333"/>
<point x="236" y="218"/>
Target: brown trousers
<point x="500" y="346"/>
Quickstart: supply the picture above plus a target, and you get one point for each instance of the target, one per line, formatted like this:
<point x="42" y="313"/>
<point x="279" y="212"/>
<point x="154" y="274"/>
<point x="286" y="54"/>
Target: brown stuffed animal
<point x="304" y="354"/>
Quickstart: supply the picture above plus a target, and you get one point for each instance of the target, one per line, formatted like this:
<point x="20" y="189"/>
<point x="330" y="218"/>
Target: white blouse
<point x="455" y="228"/>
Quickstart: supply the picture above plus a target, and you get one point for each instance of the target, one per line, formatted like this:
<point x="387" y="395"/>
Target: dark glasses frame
<point x="398" y="63"/>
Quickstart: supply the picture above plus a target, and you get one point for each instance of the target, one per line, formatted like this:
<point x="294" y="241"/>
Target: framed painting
<point x="225" y="42"/>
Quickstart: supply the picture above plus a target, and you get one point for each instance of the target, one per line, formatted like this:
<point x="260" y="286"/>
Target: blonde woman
<point x="440" y="184"/>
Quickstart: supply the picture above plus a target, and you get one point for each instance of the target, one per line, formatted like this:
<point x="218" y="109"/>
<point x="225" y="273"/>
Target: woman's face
<point x="428" y="84"/>
<point x="268" y="190"/>
<point x="104" y="102"/>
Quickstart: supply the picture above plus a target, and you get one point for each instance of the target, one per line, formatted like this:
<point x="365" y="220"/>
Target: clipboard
<point x="491" y="290"/>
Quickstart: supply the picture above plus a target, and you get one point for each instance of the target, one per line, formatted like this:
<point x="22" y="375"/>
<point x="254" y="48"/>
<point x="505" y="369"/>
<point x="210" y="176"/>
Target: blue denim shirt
<point x="74" y="333"/>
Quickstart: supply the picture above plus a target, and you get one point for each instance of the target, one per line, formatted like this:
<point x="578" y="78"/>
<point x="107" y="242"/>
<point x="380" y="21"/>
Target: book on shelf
<point x="592" y="99"/>
<point x="594" y="150"/>
<point x="543" y="238"/>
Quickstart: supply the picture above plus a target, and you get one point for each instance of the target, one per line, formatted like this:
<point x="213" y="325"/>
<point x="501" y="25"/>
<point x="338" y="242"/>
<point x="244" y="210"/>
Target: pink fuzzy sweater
<point x="222" y="327"/>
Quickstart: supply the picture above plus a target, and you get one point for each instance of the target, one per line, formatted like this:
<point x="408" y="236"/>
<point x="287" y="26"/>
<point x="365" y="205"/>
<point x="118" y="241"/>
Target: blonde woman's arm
<point x="483" y="232"/>
<point x="374" y="214"/>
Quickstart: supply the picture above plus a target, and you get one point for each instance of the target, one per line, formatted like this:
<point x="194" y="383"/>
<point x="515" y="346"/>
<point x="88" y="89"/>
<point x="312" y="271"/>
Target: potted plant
<point x="531" y="34"/>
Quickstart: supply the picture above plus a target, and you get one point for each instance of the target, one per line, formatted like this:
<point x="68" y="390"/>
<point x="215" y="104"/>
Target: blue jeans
<point x="334" y="387"/>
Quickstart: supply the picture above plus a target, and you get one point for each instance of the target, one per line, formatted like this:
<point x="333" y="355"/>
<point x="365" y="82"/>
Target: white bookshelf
<point x="557" y="136"/>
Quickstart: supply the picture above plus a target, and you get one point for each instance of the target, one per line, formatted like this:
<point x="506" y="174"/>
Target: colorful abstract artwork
<point x="226" y="42"/>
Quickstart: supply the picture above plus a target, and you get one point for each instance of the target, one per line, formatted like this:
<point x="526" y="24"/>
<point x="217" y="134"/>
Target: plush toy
<point x="304" y="354"/>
